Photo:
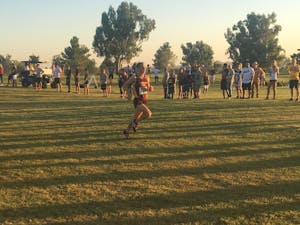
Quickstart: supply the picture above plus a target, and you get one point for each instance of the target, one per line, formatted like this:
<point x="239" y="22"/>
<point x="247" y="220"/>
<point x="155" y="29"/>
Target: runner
<point x="141" y="86"/>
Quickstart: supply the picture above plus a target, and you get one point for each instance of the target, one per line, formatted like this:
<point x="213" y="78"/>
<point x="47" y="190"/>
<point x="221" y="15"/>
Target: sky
<point x="45" y="27"/>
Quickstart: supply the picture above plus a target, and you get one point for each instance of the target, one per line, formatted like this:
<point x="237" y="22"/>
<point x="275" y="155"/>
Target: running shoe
<point x="126" y="134"/>
<point x="134" y="125"/>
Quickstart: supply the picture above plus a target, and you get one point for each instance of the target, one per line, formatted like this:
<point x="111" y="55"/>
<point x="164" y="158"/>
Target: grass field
<point x="63" y="160"/>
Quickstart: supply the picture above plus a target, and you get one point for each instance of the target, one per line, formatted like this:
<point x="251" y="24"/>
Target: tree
<point x="255" y="39"/>
<point x="218" y="66"/>
<point x="198" y="53"/>
<point x="76" y="55"/>
<point x="164" y="57"/>
<point x="107" y="63"/>
<point x="296" y="55"/>
<point x="122" y="33"/>
<point x="6" y="62"/>
<point x="58" y="59"/>
<point x="34" y="59"/>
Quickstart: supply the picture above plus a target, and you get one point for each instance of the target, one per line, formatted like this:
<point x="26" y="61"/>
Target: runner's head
<point x="140" y="69"/>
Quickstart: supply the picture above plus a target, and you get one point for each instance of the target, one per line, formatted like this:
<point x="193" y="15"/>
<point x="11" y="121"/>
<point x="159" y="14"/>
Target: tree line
<point x="122" y="31"/>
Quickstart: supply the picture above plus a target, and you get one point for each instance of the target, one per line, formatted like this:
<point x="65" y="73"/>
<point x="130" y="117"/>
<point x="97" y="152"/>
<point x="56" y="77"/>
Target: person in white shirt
<point x="57" y="76"/>
<point x="274" y="73"/>
<point x="156" y="71"/>
<point x="247" y="79"/>
<point x="39" y="72"/>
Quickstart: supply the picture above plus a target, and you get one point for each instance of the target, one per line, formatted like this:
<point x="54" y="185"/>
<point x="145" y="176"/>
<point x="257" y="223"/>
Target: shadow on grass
<point x="172" y="132"/>
<point x="148" y="159"/>
<point x="222" y="149"/>
<point x="258" y="165"/>
<point x="198" y="206"/>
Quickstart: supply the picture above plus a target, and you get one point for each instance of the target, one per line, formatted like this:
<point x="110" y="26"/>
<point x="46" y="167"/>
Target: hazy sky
<point x="45" y="27"/>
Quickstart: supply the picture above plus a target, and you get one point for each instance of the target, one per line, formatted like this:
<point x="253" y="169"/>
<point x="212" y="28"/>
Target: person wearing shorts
<point x="103" y="83"/>
<point x="259" y="72"/>
<point x="247" y="79"/>
<point x="224" y="81"/>
<point x="165" y="79"/>
<point x="110" y="77"/>
<point x="294" y="70"/>
<point x="274" y="73"/>
<point x="76" y="80"/>
<point x="238" y="80"/>
<point x="230" y="79"/>
<point x="57" y="79"/>
<point x="1" y="74"/>
<point x="180" y="78"/>
<point x="197" y="77"/>
<point x="68" y="78"/>
<point x="141" y="86"/>
<point x="156" y="71"/>
<point x="14" y="76"/>
<point x="86" y="82"/>
<point x="172" y="84"/>
<point x="38" y="82"/>
<point x="212" y="73"/>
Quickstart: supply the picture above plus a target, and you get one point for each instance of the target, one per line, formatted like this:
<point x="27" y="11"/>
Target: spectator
<point x="110" y="77"/>
<point x="230" y="80"/>
<point x="224" y="80"/>
<point x="171" y="84"/>
<point x="294" y="71"/>
<point x="14" y="76"/>
<point x="259" y="72"/>
<point x="57" y="77"/>
<point x="103" y="83"/>
<point x="212" y="73"/>
<point x="39" y="72"/>
<point x="180" y="82"/>
<point x="121" y="80"/>
<point x="156" y="71"/>
<point x="274" y="73"/>
<point x="165" y="82"/>
<point x="148" y="69"/>
<point x="238" y="80"/>
<point x="1" y="74"/>
<point x="86" y="89"/>
<point x="196" y="80"/>
<point x="76" y="80"/>
<point x="247" y="79"/>
<point x="68" y="78"/>
<point x="205" y="79"/>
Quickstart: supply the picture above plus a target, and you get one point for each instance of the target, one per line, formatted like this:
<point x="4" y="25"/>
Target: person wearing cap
<point x="259" y="72"/>
<point x="294" y="70"/>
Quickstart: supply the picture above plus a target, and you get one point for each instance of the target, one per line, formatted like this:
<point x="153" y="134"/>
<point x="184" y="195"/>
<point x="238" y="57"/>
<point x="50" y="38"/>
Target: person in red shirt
<point x="141" y="86"/>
